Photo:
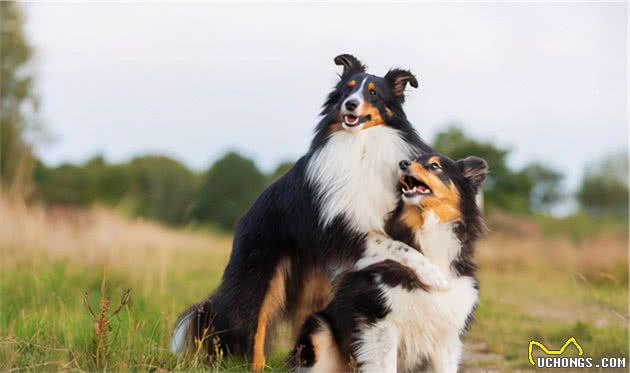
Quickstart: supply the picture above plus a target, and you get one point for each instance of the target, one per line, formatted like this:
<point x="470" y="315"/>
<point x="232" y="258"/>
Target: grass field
<point x="533" y="286"/>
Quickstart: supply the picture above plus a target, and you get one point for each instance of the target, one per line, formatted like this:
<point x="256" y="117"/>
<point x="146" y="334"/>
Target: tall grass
<point x="533" y="286"/>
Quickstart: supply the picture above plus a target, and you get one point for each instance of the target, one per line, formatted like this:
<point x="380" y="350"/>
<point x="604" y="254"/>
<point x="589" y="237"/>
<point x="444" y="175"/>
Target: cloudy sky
<point x="194" y="80"/>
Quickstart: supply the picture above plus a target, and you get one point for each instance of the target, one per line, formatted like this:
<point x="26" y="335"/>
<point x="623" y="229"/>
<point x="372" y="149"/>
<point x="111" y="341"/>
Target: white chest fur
<point x="354" y="175"/>
<point x="429" y="324"/>
<point x="439" y="242"/>
<point x="422" y="328"/>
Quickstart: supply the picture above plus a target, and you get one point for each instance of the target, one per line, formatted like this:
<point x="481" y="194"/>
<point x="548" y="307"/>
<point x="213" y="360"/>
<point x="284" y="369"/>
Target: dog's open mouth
<point x="412" y="187"/>
<point x="353" y="120"/>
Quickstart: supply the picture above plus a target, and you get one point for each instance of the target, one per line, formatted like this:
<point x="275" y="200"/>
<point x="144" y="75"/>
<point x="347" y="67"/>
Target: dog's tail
<point x="193" y="328"/>
<point x="316" y="349"/>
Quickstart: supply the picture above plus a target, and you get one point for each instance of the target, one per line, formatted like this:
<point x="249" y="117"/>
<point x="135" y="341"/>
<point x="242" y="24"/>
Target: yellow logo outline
<point x="553" y="352"/>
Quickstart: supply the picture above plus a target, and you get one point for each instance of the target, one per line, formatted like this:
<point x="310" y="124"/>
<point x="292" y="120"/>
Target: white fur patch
<point x="380" y="247"/>
<point x="180" y="334"/>
<point x="355" y="175"/>
<point x="378" y="349"/>
<point x="429" y="324"/>
<point x="438" y="241"/>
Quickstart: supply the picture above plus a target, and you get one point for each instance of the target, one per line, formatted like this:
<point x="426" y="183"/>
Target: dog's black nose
<point x="404" y="164"/>
<point x="351" y="105"/>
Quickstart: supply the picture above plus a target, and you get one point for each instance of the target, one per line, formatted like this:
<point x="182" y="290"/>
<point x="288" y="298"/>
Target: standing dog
<point x="310" y="225"/>
<point x="383" y="317"/>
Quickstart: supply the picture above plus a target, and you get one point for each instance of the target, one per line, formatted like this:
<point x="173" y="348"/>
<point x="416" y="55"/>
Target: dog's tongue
<point x="422" y="188"/>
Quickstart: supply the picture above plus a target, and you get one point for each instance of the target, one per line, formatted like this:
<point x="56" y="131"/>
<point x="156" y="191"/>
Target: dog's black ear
<point x="398" y="80"/>
<point x="474" y="169"/>
<point x="350" y="64"/>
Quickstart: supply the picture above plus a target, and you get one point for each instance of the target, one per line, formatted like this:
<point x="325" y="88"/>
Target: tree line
<point x="158" y="187"/>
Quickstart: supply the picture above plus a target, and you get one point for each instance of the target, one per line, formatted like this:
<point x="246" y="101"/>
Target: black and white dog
<point x="311" y="224"/>
<point x="384" y="317"/>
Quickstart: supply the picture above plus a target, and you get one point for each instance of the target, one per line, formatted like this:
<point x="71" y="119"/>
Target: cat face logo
<point x="553" y="352"/>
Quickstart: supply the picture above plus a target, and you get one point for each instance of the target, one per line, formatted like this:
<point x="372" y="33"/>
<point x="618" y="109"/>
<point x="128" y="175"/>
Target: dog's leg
<point x="446" y="359"/>
<point x="377" y="349"/>
<point x="316" y="350"/>
<point x="380" y="247"/>
<point x="273" y="301"/>
<point x="313" y="294"/>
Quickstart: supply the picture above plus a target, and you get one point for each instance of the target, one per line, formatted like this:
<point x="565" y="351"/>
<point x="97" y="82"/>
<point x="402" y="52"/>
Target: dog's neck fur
<point x="354" y="176"/>
<point x="438" y="241"/>
<point x="450" y="244"/>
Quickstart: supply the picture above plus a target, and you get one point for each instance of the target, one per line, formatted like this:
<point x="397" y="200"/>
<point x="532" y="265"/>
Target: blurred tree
<point x="604" y="188"/>
<point x="18" y="103"/>
<point x="161" y="188"/>
<point x="534" y="188"/>
<point x="546" y="187"/>
<point x="82" y="184"/>
<point x="504" y="188"/>
<point x="65" y="184"/>
<point x="228" y="190"/>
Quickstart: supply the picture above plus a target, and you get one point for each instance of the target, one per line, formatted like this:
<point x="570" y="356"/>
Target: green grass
<point x="581" y="226"/>
<point x="45" y="326"/>
<point x="528" y="292"/>
<point x="549" y="308"/>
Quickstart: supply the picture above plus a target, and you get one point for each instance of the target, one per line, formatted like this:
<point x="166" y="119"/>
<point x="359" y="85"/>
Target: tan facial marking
<point x="435" y="159"/>
<point x="375" y="116"/>
<point x="412" y="217"/>
<point x="444" y="200"/>
<point x="273" y="301"/>
<point x="352" y="83"/>
<point x="371" y="86"/>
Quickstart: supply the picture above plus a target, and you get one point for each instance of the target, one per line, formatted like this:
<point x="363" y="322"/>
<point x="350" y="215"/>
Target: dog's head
<point x="448" y="188"/>
<point x="361" y="100"/>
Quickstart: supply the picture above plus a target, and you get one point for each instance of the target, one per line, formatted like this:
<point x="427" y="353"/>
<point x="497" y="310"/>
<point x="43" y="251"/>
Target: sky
<point x="194" y="80"/>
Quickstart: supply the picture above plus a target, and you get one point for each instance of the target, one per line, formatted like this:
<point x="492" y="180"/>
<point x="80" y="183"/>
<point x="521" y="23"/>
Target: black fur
<point x="283" y="224"/>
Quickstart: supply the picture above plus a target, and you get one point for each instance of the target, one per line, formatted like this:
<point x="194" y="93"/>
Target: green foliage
<point x="161" y="188"/>
<point x="67" y="184"/>
<point x="509" y="189"/>
<point x="156" y="187"/>
<point x="604" y="188"/>
<point x="228" y="189"/>
<point x="546" y="187"/>
<point x="18" y="103"/>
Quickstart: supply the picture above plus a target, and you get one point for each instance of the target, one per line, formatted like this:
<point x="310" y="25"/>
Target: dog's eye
<point x="435" y="166"/>
<point x="373" y="92"/>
